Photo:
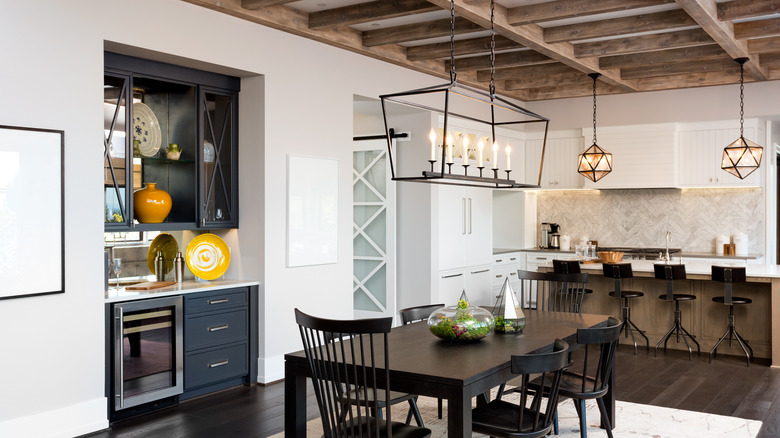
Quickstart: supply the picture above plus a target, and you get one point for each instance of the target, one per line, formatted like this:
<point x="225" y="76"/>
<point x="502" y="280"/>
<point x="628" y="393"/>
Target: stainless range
<point x="645" y="253"/>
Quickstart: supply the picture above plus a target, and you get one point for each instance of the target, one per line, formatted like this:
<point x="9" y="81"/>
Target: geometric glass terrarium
<point x="508" y="312"/>
<point x="461" y="322"/>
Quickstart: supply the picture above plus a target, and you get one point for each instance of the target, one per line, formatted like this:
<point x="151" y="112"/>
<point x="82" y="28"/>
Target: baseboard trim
<point x="74" y="420"/>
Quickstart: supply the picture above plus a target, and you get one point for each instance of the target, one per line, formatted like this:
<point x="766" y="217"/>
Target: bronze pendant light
<point x="595" y="163"/>
<point x="742" y="157"/>
<point x="437" y="106"/>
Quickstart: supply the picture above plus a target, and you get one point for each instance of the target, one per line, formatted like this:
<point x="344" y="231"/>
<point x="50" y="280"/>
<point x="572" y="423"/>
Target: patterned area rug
<point x="633" y="421"/>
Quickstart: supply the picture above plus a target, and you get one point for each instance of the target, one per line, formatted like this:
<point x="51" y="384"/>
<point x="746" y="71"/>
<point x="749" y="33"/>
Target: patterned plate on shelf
<point x="167" y="244"/>
<point x="146" y="129"/>
<point x="208" y="256"/>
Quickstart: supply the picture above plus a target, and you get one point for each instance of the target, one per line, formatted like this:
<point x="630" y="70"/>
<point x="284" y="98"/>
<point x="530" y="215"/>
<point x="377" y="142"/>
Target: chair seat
<point x="358" y="427"/>
<point x="734" y="300"/>
<point x="678" y="297"/>
<point x="395" y="397"/>
<point x="500" y="418"/>
<point x="628" y="294"/>
<point x="571" y="387"/>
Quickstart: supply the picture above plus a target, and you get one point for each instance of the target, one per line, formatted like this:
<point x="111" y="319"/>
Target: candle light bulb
<point x="465" y="150"/>
<point x="495" y="155"/>
<point x="449" y="148"/>
<point x="508" y="152"/>
<point x="480" y="147"/>
<point x="432" y="136"/>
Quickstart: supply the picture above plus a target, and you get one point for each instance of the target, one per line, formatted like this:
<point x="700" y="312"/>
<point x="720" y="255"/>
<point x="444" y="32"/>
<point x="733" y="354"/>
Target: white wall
<point x="52" y="78"/>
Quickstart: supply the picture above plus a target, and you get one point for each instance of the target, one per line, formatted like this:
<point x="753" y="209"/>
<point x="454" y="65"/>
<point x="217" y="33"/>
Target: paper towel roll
<point x="565" y="242"/>
<point x="719" y="242"/>
<point x="740" y="244"/>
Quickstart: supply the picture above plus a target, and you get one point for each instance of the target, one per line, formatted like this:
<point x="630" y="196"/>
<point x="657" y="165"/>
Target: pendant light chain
<point x="453" y="73"/>
<point x="741" y="99"/>
<point x="492" y="49"/>
<point x="594" y="109"/>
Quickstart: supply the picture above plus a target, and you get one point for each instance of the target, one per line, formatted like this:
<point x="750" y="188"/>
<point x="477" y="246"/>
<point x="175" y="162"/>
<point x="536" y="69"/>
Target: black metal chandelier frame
<point x="445" y="174"/>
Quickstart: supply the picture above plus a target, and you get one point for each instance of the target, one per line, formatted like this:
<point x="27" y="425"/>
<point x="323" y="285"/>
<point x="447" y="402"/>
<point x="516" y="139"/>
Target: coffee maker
<point x="554" y="236"/>
<point x="544" y="235"/>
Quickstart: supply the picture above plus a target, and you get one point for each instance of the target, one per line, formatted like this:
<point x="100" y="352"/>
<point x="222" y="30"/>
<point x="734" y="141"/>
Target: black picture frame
<point x="32" y="195"/>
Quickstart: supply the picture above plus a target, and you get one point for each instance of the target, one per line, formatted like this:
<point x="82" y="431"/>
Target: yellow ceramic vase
<point x="151" y="205"/>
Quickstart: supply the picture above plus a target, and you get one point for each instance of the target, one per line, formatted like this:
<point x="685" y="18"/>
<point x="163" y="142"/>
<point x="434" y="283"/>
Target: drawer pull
<point x="499" y="260"/>
<point x="513" y="273"/>
<point x="218" y="301"/>
<point x="481" y="271"/>
<point x="513" y="258"/>
<point x="218" y="364"/>
<point x="541" y="258"/>
<point x="499" y="276"/>
<point x="453" y="275"/>
<point x="217" y="328"/>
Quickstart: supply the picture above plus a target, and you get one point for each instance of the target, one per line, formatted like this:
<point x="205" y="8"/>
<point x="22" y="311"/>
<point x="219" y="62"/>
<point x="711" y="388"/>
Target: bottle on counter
<point x="178" y="268"/>
<point x="159" y="266"/>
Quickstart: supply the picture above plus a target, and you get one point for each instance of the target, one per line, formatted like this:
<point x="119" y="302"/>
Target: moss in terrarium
<point x="463" y="326"/>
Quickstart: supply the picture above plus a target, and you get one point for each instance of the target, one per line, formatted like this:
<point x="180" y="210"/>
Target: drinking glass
<point x="116" y="268"/>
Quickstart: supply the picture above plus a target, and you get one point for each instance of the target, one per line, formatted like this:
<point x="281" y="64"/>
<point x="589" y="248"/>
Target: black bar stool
<point x="670" y="273"/>
<point x="729" y="275"/>
<point x="619" y="271"/>
<point x="570" y="267"/>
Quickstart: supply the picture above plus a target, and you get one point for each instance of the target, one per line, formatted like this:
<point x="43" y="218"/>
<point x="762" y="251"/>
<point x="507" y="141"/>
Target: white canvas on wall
<point x="312" y="211"/>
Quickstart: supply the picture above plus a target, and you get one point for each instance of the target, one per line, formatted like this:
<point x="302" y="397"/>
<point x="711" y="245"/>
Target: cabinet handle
<point x="512" y="258"/>
<point x="218" y="301"/>
<point x="541" y="258"/>
<point x="499" y="276"/>
<point x="469" y="215"/>
<point x="217" y="328"/>
<point x="463" y="210"/>
<point x="499" y="260"/>
<point x="513" y="273"/>
<point x="218" y="364"/>
<point x="479" y="272"/>
<point x="453" y="275"/>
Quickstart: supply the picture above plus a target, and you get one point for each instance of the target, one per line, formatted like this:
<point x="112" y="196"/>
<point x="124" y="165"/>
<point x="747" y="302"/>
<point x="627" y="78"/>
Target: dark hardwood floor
<point x="725" y="386"/>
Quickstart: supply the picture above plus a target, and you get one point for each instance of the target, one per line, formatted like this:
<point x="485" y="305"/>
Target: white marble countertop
<point x="694" y="270"/>
<point x="185" y="287"/>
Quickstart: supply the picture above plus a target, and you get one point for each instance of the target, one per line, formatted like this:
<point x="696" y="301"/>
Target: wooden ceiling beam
<point x="557" y="10"/>
<point x="644" y="43"/>
<point x="764" y="45"/>
<point x="469" y="46"/>
<point x="770" y="60"/>
<point x="710" y="51"/>
<point x="676" y="68"/>
<point x="260" y="4"/>
<point x="737" y="9"/>
<point x="619" y="26"/>
<point x="723" y="32"/>
<point x="532" y="36"/>
<point x="526" y="72"/>
<point x="367" y="12"/>
<point x="418" y="31"/>
<point x="572" y="90"/>
<point x="503" y="60"/>
<point x="555" y="80"/>
<point x="689" y="80"/>
<point x="757" y="29"/>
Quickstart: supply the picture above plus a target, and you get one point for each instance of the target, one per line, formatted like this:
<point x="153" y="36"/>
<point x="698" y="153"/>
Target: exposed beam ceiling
<point x="545" y="49"/>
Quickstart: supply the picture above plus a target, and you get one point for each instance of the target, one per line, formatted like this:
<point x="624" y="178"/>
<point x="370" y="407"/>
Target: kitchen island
<point x="702" y="317"/>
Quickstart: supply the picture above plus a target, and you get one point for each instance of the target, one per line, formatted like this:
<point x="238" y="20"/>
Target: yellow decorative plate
<point x="208" y="256"/>
<point x="167" y="244"/>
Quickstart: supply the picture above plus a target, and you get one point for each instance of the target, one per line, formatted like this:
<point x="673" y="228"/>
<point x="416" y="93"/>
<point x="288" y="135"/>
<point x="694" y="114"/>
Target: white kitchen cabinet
<point x="560" y="161"/>
<point x="534" y="259"/>
<point x="465" y="227"/>
<point x="474" y="280"/>
<point x="701" y="150"/>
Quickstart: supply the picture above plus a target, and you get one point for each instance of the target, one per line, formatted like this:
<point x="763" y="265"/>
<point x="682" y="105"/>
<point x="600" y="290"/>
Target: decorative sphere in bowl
<point x="461" y="323"/>
<point x="610" y="256"/>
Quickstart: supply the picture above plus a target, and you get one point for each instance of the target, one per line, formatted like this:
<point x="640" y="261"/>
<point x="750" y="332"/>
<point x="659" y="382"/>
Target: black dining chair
<point x="551" y="291"/>
<point x="349" y="381"/>
<point x="569" y="267"/>
<point x="415" y="314"/>
<point x="501" y="418"/>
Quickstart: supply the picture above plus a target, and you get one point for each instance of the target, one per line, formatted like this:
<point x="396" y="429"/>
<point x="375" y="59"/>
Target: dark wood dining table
<point x="422" y="364"/>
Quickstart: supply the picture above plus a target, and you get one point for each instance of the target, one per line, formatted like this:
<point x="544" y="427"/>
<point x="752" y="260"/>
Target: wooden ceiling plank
<point x="259" y="4"/>
<point x="618" y="26"/>
<point x="572" y="90"/>
<point x="737" y="9"/>
<point x="418" y="31"/>
<point x="770" y="60"/>
<point x="556" y="10"/>
<point x="367" y="12"/>
<point x="757" y="29"/>
<point x="710" y="51"/>
<point x="469" y="46"/>
<point x="555" y="80"/>
<point x="644" y="43"/>
<point x="723" y="32"/>
<point x="523" y="72"/>
<point x="764" y="45"/>
<point x="675" y="68"/>
<point x="689" y="80"/>
<point x="503" y="60"/>
<point x="532" y="36"/>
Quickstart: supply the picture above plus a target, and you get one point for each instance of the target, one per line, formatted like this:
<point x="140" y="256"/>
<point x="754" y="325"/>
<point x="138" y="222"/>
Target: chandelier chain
<point x="492" y="49"/>
<point x="453" y="74"/>
<point x="594" y="109"/>
<point x="741" y="99"/>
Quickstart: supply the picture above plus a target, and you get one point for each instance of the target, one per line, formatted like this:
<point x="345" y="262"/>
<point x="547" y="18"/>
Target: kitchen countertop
<point x="709" y="255"/>
<point x="185" y="287"/>
<point x="694" y="270"/>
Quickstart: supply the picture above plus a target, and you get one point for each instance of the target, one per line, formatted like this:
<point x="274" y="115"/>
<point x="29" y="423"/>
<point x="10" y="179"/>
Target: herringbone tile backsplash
<point x="642" y="217"/>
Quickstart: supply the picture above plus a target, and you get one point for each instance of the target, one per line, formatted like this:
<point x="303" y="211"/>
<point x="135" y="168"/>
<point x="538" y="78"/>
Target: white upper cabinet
<point x="559" y="169"/>
<point x="701" y="149"/>
<point x="643" y="156"/>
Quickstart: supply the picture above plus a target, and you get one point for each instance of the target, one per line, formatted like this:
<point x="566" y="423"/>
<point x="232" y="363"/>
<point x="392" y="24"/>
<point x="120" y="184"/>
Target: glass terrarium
<point x="461" y="323"/>
<point x="508" y="312"/>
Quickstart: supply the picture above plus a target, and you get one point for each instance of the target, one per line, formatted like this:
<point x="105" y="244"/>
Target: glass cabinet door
<point x="117" y="163"/>
<point x="218" y="193"/>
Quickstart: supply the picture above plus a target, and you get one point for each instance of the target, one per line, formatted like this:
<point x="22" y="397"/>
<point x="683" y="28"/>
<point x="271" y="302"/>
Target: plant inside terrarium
<point x="461" y="322"/>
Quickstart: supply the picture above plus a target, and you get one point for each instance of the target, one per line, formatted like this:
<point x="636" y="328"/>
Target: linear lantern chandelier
<point x="742" y="157"/>
<point x="437" y="106"/>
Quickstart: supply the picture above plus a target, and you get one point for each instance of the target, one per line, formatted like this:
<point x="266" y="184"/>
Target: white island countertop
<point x="694" y="270"/>
<point x="185" y="287"/>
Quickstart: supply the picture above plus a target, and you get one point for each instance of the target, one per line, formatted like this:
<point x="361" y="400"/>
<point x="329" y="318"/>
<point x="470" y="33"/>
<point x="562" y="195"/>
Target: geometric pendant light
<point x="595" y="163"/>
<point x="742" y="157"/>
